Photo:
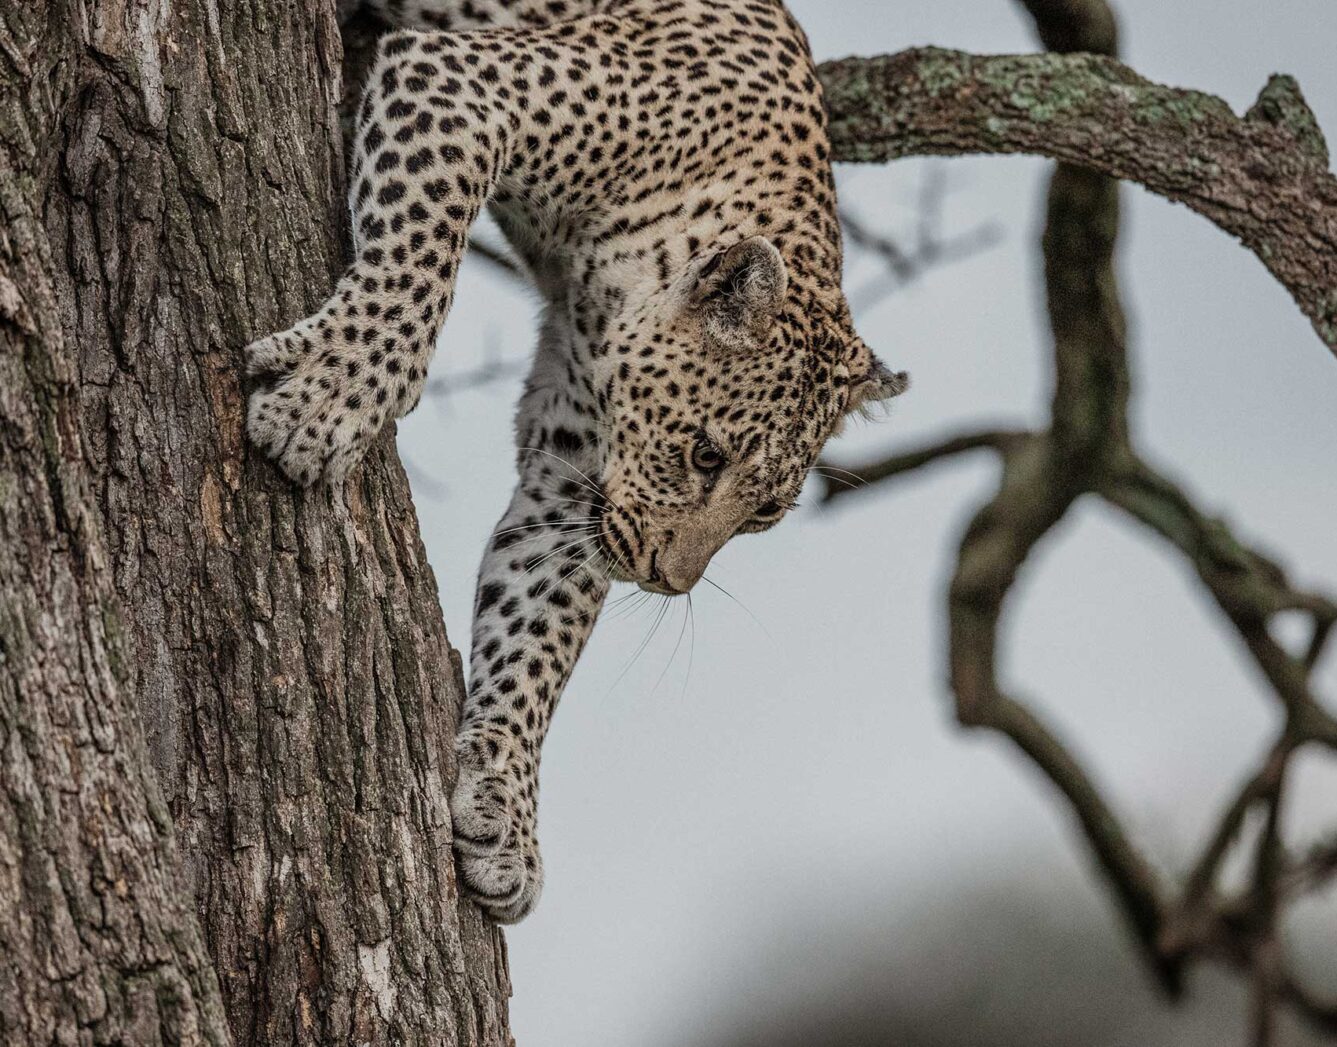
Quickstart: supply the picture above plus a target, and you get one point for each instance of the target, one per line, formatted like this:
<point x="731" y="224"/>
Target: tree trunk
<point x="171" y="185"/>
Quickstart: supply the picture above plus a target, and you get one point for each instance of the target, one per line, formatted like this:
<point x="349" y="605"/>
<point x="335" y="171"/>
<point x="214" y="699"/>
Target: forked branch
<point x="1262" y="177"/>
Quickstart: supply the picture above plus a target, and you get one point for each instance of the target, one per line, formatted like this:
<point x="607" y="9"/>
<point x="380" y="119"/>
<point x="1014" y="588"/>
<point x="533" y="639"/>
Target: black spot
<point x="559" y="598"/>
<point x="390" y="194"/>
<point x="566" y="442"/>
<point x="489" y="594"/>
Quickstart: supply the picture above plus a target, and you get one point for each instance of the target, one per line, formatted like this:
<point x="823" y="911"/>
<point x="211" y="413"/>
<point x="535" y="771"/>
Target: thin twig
<point x="1001" y="440"/>
<point x="497" y="257"/>
<point x="932" y="248"/>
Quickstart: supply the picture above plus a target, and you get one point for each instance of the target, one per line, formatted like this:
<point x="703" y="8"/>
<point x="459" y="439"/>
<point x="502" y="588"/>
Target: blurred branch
<point x="1320" y="1013"/>
<point x="476" y="378"/>
<point x="855" y="477"/>
<point x="1201" y="881"/>
<point x="1263" y="178"/>
<point x="1248" y="587"/>
<point x="494" y="368"/>
<point x="931" y="247"/>
<point x="1315" y="869"/>
<point x="497" y="257"/>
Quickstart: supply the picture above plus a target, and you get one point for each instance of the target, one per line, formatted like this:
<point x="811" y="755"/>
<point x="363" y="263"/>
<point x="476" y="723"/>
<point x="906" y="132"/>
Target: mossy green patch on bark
<point x="1282" y="104"/>
<point x="940" y="71"/>
<point x="1185" y="108"/>
<point x="1043" y="86"/>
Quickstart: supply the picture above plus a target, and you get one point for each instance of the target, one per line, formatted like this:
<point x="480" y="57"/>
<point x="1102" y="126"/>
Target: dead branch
<point x="1262" y="177"/>
<point x="854" y="477"/>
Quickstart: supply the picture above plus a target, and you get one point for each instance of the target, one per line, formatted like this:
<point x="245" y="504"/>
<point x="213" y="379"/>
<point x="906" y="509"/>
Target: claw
<point x="517" y="910"/>
<point x="479" y="846"/>
<point x="498" y="881"/>
<point x="276" y="355"/>
<point x="306" y="417"/>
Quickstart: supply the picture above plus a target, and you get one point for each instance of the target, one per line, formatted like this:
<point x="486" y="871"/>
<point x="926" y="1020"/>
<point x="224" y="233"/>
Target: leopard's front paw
<point x="318" y="409"/>
<point x="496" y="849"/>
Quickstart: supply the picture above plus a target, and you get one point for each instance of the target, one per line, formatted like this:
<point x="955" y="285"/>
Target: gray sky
<point x="725" y="826"/>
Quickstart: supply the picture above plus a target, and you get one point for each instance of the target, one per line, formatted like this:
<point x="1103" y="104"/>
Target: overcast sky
<point x="727" y="827"/>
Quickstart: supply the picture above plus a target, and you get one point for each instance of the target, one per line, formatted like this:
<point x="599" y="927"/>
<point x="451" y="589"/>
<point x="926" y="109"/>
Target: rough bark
<point x="97" y="942"/>
<point x="1262" y="177"/>
<point x="181" y="166"/>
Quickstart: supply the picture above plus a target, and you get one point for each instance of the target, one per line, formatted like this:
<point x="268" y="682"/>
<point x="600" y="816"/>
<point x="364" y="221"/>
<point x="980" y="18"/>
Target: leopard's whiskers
<point x="682" y="631"/>
<point x="531" y="568"/>
<point x="654" y="628"/>
<point x="828" y="472"/>
<point x="544" y="523"/>
<point x="691" y="647"/>
<point x="745" y="607"/>
<point x="629" y="604"/>
<point x="588" y="482"/>
<point x="552" y="492"/>
<point x="549" y="534"/>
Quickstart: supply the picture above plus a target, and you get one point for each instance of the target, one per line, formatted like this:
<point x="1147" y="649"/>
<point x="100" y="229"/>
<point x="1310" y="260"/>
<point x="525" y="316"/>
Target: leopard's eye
<point x="769" y="512"/>
<point x="707" y="457"/>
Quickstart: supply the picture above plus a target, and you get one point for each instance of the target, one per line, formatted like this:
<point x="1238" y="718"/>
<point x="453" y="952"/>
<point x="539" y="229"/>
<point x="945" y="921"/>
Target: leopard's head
<point x="719" y="398"/>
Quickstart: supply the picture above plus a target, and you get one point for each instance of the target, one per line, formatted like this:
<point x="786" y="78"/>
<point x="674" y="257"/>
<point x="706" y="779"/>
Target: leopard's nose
<point x="676" y="570"/>
<point x="656" y="582"/>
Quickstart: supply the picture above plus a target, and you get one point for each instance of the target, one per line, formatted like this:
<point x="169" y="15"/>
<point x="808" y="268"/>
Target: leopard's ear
<point x="740" y="290"/>
<point x="871" y="381"/>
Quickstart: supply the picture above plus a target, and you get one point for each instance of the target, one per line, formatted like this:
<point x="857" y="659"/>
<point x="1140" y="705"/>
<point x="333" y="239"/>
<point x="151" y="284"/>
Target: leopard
<point x="663" y="173"/>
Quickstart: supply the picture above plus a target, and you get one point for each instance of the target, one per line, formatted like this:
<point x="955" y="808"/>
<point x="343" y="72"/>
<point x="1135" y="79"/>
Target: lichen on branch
<point x="1262" y="177"/>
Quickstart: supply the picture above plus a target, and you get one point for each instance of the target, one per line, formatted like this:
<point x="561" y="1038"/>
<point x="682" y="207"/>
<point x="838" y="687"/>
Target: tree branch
<point x="1262" y="177"/>
<point x="1247" y="586"/>
<point x="853" y="479"/>
<point x="930" y="246"/>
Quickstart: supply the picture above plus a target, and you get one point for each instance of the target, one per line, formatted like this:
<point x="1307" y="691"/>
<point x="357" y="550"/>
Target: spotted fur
<point x="662" y="167"/>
